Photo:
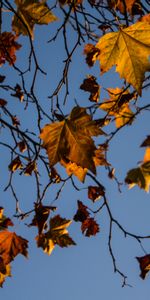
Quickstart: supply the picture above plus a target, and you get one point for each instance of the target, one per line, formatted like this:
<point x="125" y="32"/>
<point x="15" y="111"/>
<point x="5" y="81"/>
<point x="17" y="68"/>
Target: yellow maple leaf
<point x="129" y="50"/>
<point x="71" y="139"/>
<point x="117" y="105"/>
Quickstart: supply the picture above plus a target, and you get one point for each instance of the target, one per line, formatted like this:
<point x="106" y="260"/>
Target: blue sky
<point x="84" y="271"/>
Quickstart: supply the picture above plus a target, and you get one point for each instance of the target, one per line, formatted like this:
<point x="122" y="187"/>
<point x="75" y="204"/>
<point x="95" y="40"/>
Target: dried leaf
<point x="5" y="274"/>
<point x="146" y="142"/>
<point x="117" y="105"/>
<point x="95" y="192"/>
<point x="129" y="50"/>
<point x="71" y="139"/>
<point x="89" y="227"/>
<point x="56" y="235"/>
<point x="54" y="175"/>
<point x="2" y="102"/>
<point x="31" y="167"/>
<point x="90" y="85"/>
<point x="92" y="53"/>
<point x="15" y="121"/>
<point x="18" y="93"/>
<point x="41" y="215"/>
<point x="141" y="175"/>
<point x="8" y="47"/>
<point x="82" y="213"/>
<point x="22" y="146"/>
<point x="29" y="14"/>
<point x="11" y="245"/>
<point x="73" y="169"/>
<point x="15" y="164"/>
<point x="144" y="262"/>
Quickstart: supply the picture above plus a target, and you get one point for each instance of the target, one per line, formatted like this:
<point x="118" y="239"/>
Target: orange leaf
<point x="11" y="245"/>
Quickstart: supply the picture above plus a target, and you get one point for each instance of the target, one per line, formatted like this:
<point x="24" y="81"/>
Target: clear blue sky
<point x="84" y="271"/>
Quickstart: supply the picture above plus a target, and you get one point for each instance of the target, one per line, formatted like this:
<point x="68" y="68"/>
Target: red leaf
<point x="90" y="227"/>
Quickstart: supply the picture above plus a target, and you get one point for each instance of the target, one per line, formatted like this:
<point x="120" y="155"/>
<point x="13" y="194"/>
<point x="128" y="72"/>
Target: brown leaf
<point x="146" y="142"/>
<point x="41" y="215"/>
<point x="89" y="227"/>
<point x="73" y="168"/>
<point x="99" y="158"/>
<point x="95" y="192"/>
<point x="18" y="93"/>
<point x="144" y="262"/>
<point x="5" y="274"/>
<point x="22" y="146"/>
<point x="71" y="139"/>
<point x="56" y="235"/>
<point x="91" y="53"/>
<point x="31" y="167"/>
<point x="54" y="175"/>
<point x="11" y="245"/>
<point x="15" y="164"/>
<point x="82" y="213"/>
<point x="8" y="47"/>
<point x="3" y="102"/>
<point x="90" y="85"/>
<point x="15" y="121"/>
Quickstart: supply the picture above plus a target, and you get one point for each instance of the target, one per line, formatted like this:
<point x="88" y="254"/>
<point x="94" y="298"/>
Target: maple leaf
<point x="141" y="175"/>
<point x="129" y="50"/>
<point x="89" y="227"/>
<point x="8" y="47"/>
<point x="117" y="105"/>
<point x="71" y="139"/>
<point x="11" y="245"/>
<point x="72" y="168"/>
<point x="95" y="192"/>
<point x="82" y="213"/>
<point x="90" y="85"/>
<point x="4" y="272"/>
<point x="144" y="262"/>
<point x="56" y="235"/>
<point x="30" y="13"/>
<point x="92" y="53"/>
<point x="41" y="215"/>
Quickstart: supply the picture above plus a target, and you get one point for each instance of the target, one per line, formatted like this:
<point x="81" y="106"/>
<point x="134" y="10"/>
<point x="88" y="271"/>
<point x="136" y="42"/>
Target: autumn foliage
<point x="70" y="140"/>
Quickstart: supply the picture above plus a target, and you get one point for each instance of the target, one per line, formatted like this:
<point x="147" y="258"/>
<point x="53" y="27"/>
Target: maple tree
<point x="56" y="139"/>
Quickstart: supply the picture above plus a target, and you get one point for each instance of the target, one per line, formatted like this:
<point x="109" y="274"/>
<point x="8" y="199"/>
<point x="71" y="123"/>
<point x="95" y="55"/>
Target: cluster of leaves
<point x="75" y="140"/>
